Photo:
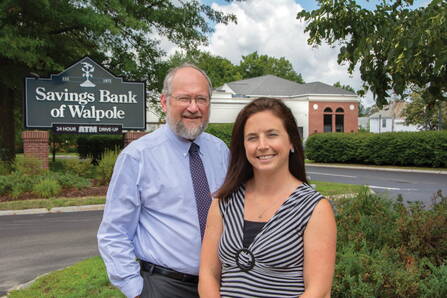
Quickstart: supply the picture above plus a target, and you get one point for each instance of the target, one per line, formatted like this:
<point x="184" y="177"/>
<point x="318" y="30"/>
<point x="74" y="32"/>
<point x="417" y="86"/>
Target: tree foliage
<point x="220" y="70"/>
<point x="255" y="65"/>
<point x="395" y="47"/>
<point x="428" y="117"/>
<point x="346" y="87"/>
<point x="44" y="36"/>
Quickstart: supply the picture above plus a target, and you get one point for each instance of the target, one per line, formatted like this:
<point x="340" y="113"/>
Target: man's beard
<point x="187" y="133"/>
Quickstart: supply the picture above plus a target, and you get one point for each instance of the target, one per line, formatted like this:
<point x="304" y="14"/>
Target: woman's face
<point x="267" y="144"/>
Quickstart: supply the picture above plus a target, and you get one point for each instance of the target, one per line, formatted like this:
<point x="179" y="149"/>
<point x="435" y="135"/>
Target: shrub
<point x="94" y="146"/>
<point x="68" y="180"/>
<point x="28" y="166"/>
<point x="422" y="232"/>
<point x="221" y="130"/>
<point x="47" y="188"/>
<point x="436" y="283"/>
<point x="425" y="148"/>
<point x="17" y="184"/>
<point x="6" y="184"/>
<point x="390" y="249"/>
<point x="22" y="183"/>
<point x="80" y="167"/>
<point x="104" y="170"/>
<point x="57" y="165"/>
<point x="5" y="168"/>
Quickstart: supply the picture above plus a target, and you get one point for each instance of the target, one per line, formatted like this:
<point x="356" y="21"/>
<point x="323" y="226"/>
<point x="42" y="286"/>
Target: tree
<point x="220" y="70"/>
<point x="428" y="117"/>
<point x="44" y="36"/>
<point x="254" y="65"/>
<point x="363" y="111"/>
<point x="396" y="47"/>
<point x="346" y="87"/>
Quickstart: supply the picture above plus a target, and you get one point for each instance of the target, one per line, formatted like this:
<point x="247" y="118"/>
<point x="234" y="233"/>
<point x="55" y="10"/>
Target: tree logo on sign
<point x="87" y="69"/>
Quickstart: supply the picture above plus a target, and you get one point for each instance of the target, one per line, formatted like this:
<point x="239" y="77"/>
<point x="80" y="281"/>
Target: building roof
<point x="270" y="85"/>
<point x="393" y="110"/>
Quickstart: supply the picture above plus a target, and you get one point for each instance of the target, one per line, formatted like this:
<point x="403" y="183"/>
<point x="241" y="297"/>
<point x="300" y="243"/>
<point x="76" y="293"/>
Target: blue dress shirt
<point x="150" y="211"/>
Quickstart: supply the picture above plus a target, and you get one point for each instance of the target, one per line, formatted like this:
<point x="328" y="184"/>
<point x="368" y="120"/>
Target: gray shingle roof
<point x="270" y="85"/>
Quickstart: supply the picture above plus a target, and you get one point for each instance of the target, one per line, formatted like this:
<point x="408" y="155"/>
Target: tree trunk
<point x="7" y="124"/>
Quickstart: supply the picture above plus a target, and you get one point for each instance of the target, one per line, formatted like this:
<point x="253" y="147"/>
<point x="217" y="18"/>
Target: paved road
<point x="31" y="245"/>
<point x="412" y="186"/>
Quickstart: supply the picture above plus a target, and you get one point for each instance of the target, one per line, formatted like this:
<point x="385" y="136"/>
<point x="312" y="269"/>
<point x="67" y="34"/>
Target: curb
<point x="26" y="284"/>
<point x="29" y="283"/>
<point x="377" y="169"/>
<point x="53" y="210"/>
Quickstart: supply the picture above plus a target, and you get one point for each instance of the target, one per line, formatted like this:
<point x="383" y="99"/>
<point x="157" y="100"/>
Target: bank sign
<point x="84" y="98"/>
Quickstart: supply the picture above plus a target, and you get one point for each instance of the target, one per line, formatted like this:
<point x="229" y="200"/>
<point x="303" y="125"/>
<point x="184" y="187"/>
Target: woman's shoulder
<point x="235" y="196"/>
<point x="306" y="194"/>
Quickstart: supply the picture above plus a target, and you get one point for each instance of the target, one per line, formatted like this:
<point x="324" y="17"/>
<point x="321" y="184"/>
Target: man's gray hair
<point x="167" y="83"/>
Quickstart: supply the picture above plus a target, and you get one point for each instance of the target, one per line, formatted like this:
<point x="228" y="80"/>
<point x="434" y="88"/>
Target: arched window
<point x="327" y="119"/>
<point x="339" y="120"/>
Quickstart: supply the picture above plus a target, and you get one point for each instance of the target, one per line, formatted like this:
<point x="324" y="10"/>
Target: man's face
<point x="187" y="119"/>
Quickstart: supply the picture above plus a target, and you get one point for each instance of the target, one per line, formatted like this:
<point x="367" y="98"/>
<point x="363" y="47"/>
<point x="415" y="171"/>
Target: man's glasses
<point x="186" y="100"/>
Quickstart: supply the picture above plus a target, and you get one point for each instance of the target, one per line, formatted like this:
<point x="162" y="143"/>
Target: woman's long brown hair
<point x="240" y="170"/>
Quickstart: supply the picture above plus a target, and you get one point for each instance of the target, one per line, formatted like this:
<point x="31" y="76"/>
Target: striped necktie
<point x="200" y="184"/>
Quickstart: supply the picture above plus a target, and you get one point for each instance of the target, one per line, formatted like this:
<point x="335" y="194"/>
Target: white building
<point x="390" y="119"/>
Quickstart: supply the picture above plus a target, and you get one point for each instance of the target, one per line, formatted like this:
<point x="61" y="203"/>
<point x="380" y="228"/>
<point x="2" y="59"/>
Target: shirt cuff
<point x="133" y="287"/>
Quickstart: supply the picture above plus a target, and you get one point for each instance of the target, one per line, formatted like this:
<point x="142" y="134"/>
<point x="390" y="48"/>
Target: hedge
<point x="221" y="130"/>
<point x="424" y="148"/>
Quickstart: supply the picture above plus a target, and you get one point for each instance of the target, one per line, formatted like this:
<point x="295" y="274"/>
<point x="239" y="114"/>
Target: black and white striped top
<point x="276" y="255"/>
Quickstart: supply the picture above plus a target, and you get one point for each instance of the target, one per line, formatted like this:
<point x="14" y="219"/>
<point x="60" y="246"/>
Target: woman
<point x="269" y="234"/>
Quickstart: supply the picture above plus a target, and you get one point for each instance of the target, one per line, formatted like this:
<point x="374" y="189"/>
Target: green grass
<point x="84" y="279"/>
<point x="50" y="203"/>
<point x="332" y="188"/>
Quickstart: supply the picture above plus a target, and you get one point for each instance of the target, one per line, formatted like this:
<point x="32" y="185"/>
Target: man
<point x="158" y="197"/>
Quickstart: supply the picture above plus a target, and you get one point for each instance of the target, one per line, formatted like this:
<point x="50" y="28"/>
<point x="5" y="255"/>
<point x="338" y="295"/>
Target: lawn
<point x="84" y="279"/>
<point x="332" y="189"/>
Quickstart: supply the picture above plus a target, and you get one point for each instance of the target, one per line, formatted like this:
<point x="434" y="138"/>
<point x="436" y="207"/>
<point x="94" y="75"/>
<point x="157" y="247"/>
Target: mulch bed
<point x="66" y="193"/>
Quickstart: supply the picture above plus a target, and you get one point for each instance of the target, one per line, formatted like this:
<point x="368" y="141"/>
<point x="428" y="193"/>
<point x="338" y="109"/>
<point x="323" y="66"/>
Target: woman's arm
<point x="210" y="267"/>
<point x="320" y="239"/>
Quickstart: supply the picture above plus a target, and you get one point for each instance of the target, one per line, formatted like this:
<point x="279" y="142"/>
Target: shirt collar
<point x="181" y="143"/>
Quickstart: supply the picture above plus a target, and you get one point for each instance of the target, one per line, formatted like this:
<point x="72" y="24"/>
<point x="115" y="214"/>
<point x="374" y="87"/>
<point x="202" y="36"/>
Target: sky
<point x="270" y="27"/>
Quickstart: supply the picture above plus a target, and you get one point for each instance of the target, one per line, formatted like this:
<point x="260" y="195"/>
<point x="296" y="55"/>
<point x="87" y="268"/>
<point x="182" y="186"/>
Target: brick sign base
<point x="132" y="136"/>
<point x="35" y="144"/>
